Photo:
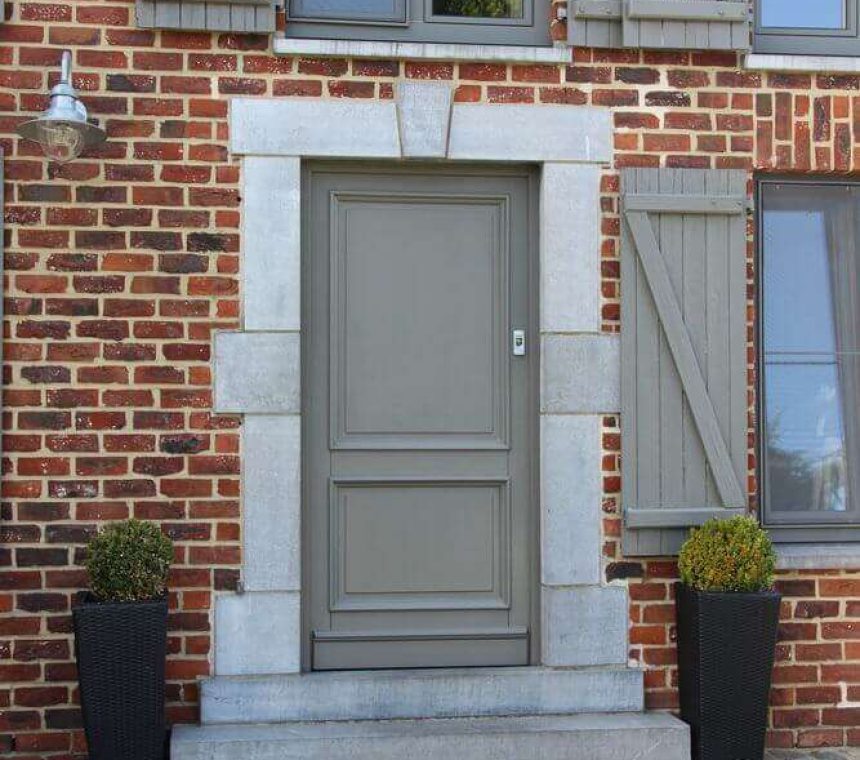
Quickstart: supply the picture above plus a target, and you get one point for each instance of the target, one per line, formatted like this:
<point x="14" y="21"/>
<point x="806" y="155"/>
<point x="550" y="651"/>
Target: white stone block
<point x="272" y="502"/>
<point x="570" y="499"/>
<point x="530" y="133"/>
<point x="570" y="248"/>
<point x="271" y="257"/>
<point x="257" y="373"/>
<point x="311" y="127"/>
<point x="424" y="116"/>
<point x="257" y="633"/>
<point x="580" y="373"/>
<point x="584" y="625"/>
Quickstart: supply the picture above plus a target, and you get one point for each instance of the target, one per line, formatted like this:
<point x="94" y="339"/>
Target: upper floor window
<point x="489" y="22"/>
<point x="823" y="27"/>
<point x="810" y="348"/>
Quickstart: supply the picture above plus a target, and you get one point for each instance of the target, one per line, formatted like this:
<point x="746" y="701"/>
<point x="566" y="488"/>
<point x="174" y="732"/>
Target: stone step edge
<point x="617" y="736"/>
<point x="426" y="694"/>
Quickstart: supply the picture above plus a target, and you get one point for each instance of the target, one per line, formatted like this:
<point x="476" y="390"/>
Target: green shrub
<point x="479" y="8"/>
<point x="129" y="561"/>
<point x="728" y="555"/>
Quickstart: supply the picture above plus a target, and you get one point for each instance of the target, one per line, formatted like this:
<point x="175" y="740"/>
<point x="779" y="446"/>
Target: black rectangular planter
<point x="726" y="645"/>
<point x="120" y="649"/>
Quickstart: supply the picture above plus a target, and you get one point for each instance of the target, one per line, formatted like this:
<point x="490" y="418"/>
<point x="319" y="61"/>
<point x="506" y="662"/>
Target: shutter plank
<point x="648" y="380"/>
<point x="671" y="408"/>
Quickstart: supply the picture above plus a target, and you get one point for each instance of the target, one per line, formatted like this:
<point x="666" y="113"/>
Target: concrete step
<point x="621" y="736"/>
<point x="436" y="693"/>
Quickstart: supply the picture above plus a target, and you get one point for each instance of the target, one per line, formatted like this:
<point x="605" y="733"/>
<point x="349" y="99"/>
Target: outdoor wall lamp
<point x="63" y="130"/>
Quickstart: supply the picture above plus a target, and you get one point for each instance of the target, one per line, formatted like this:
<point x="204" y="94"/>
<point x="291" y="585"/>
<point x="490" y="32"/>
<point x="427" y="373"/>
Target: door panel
<point x="418" y="477"/>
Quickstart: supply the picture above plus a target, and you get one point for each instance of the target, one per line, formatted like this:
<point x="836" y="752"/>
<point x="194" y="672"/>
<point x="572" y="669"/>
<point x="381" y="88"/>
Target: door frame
<point x="532" y="437"/>
<point x="584" y="619"/>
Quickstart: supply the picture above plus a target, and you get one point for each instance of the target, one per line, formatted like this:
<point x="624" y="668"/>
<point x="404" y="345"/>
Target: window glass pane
<point x="803" y="14"/>
<point x="479" y="8"/>
<point x="811" y="345"/>
<point x="805" y="452"/>
<point x="798" y="305"/>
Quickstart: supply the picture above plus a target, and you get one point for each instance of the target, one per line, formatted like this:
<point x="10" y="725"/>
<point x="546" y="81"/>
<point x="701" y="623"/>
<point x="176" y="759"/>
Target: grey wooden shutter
<point x="687" y="24"/>
<point x="675" y="24"/>
<point x="683" y="351"/>
<point x="233" y="16"/>
<point x="594" y="23"/>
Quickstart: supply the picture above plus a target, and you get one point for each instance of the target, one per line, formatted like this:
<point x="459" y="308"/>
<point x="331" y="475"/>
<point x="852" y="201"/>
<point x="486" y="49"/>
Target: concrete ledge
<point x="436" y="693"/>
<point x="257" y="373"/>
<point x="569" y="737"/>
<point x="810" y="63"/>
<point x="817" y="556"/>
<point x="429" y="51"/>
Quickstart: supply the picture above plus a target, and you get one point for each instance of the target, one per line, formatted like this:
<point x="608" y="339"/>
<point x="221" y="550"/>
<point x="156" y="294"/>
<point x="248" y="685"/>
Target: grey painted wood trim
<point x="685" y="204"/>
<point x="594" y="23"/>
<point x="684" y="10"/>
<point x="675" y="518"/>
<point x="203" y="15"/>
<point x="685" y="359"/>
<point x="687" y="24"/>
<point x="596" y="9"/>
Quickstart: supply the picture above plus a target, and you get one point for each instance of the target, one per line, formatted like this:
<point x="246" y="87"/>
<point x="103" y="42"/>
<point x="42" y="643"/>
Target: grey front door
<point x="419" y="416"/>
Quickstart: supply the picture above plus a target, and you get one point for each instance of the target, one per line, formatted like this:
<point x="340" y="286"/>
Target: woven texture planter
<point x="725" y="656"/>
<point x="120" y="649"/>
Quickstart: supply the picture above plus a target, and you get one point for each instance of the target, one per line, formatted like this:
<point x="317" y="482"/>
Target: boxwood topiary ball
<point x="129" y="561"/>
<point x="728" y="555"/>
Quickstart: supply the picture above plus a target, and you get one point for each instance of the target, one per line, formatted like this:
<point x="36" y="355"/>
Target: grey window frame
<point x="804" y="532"/>
<point x="799" y="41"/>
<point x="414" y="21"/>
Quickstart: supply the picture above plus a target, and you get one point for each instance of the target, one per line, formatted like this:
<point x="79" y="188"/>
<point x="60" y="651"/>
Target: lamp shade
<point x="63" y="130"/>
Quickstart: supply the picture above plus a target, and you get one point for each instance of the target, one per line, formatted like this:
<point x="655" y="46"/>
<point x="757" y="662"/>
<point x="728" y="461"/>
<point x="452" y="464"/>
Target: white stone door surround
<point x="257" y="370"/>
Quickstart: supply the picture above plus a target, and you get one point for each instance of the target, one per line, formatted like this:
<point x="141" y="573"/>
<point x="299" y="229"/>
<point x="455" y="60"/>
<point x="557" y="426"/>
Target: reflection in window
<point x="811" y="325"/>
<point x="479" y="8"/>
<point x="803" y="14"/>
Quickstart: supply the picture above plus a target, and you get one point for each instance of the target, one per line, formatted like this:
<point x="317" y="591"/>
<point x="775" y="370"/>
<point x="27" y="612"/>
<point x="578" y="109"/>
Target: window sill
<point x="430" y="51"/>
<point x="818" y="556"/>
<point x="801" y="63"/>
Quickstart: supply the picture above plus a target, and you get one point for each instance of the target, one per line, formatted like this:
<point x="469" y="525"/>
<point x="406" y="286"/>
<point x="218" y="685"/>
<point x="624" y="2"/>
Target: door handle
<point x="518" y="342"/>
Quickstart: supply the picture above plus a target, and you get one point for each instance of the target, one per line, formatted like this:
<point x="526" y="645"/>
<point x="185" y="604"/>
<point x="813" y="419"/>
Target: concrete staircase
<point x="474" y="714"/>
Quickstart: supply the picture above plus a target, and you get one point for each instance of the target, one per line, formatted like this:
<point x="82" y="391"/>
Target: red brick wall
<point x="119" y="265"/>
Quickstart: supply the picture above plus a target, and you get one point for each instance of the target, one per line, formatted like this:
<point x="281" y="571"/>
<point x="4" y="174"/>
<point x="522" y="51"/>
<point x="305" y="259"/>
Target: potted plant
<point x="727" y="617"/>
<point x="121" y="642"/>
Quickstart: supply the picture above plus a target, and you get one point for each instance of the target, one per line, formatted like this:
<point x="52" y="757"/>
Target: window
<point x="810" y="359"/>
<point x="822" y="27"/>
<point x="498" y="22"/>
